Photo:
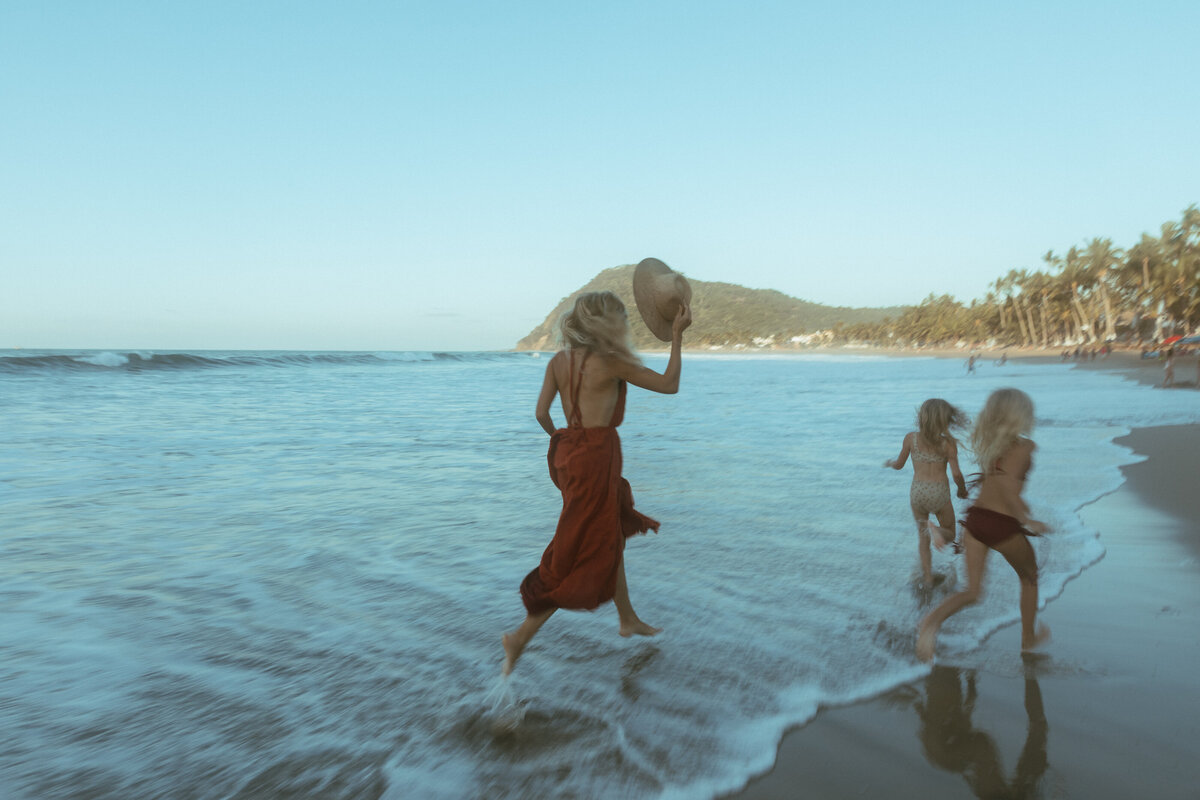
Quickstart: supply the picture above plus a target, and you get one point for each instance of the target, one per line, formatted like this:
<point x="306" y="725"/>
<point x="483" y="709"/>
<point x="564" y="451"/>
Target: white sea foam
<point x="409" y="356"/>
<point x="105" y="359"/>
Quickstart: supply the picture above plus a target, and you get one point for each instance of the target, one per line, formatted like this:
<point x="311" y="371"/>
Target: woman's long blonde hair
<point x="1007" y="416"/>
<point x="936" y="418"/>
<point x="598" y="323"/>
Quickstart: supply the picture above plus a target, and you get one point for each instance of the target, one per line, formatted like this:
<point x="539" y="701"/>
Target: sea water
<point x="238" y="575"/>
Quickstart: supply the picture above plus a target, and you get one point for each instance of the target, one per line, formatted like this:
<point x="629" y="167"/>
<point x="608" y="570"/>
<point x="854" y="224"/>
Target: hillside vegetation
<point x="724" y="314"/>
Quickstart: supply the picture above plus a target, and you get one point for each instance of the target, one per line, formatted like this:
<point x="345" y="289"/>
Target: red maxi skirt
<point x="579" y="567"/>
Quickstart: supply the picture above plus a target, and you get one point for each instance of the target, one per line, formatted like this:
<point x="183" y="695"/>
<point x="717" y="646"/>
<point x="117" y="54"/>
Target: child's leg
<point x="515" y="642"/>
<point x="922" y="520"/>
<point x="1019" y="553"/>
<point x="944" y="530"/>
<point x="631" y="624"/>
<point x="928" y="630"/>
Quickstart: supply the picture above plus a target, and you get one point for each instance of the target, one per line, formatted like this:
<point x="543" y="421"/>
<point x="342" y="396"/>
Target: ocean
<point x="285" y="575"/>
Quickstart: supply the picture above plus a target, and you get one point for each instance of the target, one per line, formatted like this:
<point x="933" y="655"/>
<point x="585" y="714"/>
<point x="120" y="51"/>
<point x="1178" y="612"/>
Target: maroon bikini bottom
<point x="991" y="527"/>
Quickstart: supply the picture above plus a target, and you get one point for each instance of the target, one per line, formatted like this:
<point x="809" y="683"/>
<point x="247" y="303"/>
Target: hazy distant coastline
<point x="727" y="316"/>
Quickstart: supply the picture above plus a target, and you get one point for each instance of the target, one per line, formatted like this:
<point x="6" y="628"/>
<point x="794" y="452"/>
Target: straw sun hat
<point x="658" y="291"/>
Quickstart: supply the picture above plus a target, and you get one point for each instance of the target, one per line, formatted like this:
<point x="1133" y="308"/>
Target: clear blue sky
<point x="404" y="175"/>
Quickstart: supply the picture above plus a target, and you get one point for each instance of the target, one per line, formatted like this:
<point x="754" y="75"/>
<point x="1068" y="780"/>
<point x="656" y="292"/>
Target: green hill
<point x="723" y="314"/>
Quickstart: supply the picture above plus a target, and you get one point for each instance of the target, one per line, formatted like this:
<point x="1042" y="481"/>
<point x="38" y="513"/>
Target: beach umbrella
<point x="1172" y="340"/>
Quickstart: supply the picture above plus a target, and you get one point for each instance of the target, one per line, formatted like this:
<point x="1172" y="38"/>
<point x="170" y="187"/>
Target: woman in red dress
<point x="583" y="567"/>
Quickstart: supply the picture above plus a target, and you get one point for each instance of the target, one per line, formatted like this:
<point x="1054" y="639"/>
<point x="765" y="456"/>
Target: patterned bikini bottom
<point x="928" y="496"/>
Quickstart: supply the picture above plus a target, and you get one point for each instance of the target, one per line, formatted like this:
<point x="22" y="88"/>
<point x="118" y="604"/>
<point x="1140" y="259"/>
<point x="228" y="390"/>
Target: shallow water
<point x="232" y="575"/>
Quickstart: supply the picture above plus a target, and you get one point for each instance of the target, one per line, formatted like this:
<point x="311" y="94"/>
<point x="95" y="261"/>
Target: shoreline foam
<point x="1112" y="677"/>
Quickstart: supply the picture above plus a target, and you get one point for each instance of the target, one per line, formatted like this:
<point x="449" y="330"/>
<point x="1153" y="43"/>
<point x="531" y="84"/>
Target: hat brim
<point x="659" y="291"/>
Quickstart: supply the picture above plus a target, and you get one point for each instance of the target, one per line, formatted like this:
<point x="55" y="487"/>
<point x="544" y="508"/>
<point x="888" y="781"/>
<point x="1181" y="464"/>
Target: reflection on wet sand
<point x="952" y="742"/>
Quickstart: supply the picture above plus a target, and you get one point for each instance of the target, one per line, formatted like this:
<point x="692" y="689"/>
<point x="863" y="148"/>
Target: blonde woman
<point x="999" y="519"/>
<point x="932" y="448"/>
<point x="584" y="565"/>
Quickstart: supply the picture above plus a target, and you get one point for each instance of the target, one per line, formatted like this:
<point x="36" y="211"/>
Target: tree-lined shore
<point x="1087" y="296"/>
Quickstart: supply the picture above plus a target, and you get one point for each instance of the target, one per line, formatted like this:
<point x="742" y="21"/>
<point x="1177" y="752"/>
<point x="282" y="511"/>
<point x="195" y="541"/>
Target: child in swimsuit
<point x="932" y="447"/>
<point x="584" y="565"/>
<point x="999" y="519"/>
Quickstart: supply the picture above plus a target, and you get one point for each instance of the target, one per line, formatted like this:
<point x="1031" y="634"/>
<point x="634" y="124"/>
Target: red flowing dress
<point x="579" y="567"/>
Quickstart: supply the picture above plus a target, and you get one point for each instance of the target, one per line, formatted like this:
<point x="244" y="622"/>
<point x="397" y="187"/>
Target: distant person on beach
<point x="583" y="566"/>
<point x="999" y="519"/>
<point x="932" y="447"/>
<point x="971" y="363"/>
<point x="1169" y="368"/>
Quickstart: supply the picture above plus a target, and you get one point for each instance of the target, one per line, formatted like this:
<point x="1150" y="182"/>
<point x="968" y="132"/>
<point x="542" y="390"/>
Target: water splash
<point x="503" y="709"/>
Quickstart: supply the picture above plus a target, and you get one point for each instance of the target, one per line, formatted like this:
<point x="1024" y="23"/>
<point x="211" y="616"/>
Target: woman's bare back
<point x="1002" y="485"/>
<point x="596" y="383"/>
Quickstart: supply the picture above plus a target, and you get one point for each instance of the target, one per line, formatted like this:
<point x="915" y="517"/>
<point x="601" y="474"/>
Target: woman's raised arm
<point x="666" y="382"/>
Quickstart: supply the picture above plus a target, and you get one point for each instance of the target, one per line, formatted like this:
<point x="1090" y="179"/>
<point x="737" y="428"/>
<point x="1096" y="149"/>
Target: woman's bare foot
<point x="926" y="640"/>
<point x="1040" y="637"/>
<point x="512" y="651"/>
<point x="638" y="628"/>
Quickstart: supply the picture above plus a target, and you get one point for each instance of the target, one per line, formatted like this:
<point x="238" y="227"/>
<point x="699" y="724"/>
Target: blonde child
<point x="999" y="519"/>
<point x="584" y="564"/>
<point x="932" y="447"/>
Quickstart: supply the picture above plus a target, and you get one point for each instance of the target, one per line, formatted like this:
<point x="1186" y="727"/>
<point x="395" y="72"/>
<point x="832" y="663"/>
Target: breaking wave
<point x="142" y="361"/>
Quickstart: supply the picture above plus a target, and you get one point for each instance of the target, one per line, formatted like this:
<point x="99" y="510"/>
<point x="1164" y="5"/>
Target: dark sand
<point x="1110" y="709"/>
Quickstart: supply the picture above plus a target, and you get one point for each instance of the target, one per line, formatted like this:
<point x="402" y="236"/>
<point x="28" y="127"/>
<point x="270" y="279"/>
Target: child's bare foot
<point x="926" y="639"/>
<point x="940" y="537"/>
<point x="512" y="651"/>
<point x="1040" y="637"/>
<point x="638" y="628"/>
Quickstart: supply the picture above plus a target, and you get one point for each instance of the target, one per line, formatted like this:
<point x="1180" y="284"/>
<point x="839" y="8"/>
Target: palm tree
<point x="1189" y="267"/>
<point x="1075" y="273"/>
<point x="1004" y="287"/>
<point x="1170" y="284"/>
<point x="1100" y="258"/>
<point x="1026" y="282"/>
<point x="1134" y="276"/>
<point x="1012" y="287"/>
<point x="1034" y="289"/>
<point x="991" y="299"/>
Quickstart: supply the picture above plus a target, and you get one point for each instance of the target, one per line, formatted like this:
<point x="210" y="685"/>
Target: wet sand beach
<point x="1108" y="710"/>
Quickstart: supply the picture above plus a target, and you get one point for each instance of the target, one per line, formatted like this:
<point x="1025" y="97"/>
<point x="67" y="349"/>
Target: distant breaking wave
<point x="145" y="361"/>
